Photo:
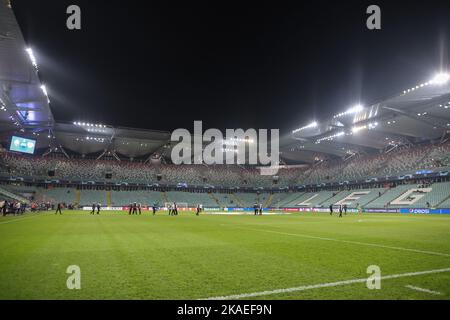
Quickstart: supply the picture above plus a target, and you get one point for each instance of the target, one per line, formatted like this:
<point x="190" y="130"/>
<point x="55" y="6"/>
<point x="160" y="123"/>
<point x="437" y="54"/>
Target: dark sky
<point x="162" y="65"/>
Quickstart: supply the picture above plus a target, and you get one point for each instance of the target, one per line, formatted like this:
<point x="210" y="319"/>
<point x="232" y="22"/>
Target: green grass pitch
<point x="194" y="257"/>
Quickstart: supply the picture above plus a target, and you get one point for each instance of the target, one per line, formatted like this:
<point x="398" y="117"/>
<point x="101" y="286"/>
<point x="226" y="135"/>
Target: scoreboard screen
<point x="22" y="145"/>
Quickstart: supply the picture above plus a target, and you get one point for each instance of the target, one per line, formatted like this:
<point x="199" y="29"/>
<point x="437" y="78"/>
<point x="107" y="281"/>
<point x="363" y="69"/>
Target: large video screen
<point x="22" y="145"/>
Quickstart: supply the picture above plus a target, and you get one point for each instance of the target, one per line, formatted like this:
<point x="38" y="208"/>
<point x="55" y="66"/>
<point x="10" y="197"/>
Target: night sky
<point x="162" y="65"/>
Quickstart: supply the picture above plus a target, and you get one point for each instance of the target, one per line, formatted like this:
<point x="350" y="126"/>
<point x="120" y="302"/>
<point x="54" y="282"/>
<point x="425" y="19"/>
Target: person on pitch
<point x="331" y="209"/>
<point x="98" y="208"/>
<point x="175" y="209"/>
<point x="93" y="208"/>
<point x="4" y="207"/>
<point x="58" y="208"/>
<point x="360" y="209"/>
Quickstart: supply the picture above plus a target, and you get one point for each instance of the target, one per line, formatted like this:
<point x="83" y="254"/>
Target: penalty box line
<point x="347" y="241"/>
<point x="323" y="285"/>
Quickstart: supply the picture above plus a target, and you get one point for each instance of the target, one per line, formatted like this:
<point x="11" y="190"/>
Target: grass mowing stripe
<point x="323" y="285"/>
<point x="348" y="241"/>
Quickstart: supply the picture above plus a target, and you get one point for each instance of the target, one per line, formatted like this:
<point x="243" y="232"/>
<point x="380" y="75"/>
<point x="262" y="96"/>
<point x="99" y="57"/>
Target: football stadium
<point x="358" y="208"/>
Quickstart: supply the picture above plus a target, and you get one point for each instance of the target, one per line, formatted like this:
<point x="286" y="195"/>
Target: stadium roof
<point x="23" y="99"/>
<point x="25" y="106"/>
<point x="94" y="138"/>
<point x="417" y="114"/>
<point x="420" y="115"/>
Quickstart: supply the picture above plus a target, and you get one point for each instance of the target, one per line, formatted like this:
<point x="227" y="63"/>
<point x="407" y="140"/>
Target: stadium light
<point x="357" y="129"/>
<point x="313" y="124"/>
<point x="370" y="126"/>
<point x="44" y="90"/>
<point x="330" y="138"/>
<point x="440" y="78"/>
<point x="32" y="57"/>
<point x="91" y="126"/>
<point x="355" y="109"/>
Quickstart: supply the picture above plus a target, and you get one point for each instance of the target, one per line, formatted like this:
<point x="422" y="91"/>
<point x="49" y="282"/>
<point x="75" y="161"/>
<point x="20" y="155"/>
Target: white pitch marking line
<point x="352" y="242"/>
<point x="20" y="219"/>
<point x="422" y="290"/>
<point x="323" y="285"/>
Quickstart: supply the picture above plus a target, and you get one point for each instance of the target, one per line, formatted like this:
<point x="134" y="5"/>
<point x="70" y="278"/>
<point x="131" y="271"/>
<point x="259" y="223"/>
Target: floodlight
<point x="356" y="129"/>
<point x="313" y="124"/>
<point x="32" y="57"/>
<point x="440" y="78"/>
<point x="355" y="109"/>
<point x="44" y="90"/>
